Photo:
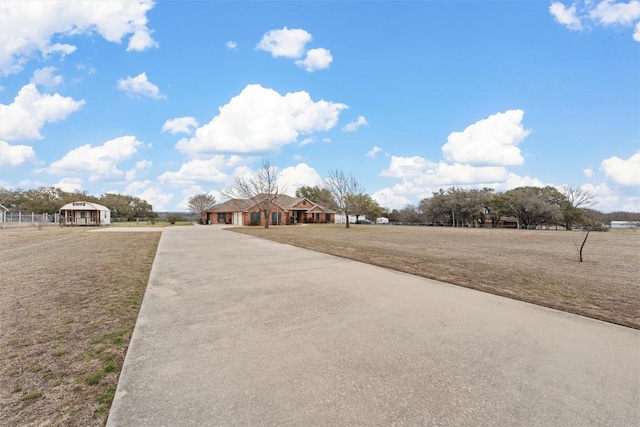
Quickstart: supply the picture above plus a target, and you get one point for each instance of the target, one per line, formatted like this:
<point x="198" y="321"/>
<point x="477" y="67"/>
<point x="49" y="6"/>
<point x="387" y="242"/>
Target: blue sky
<point x="168" y="99"/>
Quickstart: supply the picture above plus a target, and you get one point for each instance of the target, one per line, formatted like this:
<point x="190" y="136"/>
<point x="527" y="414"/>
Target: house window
<point x="78" y="203"/>
<point x="83" y="214"/>
<point x="328" y="218"/>
<point x="222" y="218"/>
<point x="276" y="217"/>
<point x="255" y="217"/>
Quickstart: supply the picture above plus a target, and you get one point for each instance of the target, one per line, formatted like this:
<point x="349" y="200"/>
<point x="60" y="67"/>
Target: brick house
<point x="284" y="210"/>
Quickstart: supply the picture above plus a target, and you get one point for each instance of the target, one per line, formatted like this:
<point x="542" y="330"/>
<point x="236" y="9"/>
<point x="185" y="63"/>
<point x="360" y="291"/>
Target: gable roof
<point x="287" y="202"/>
<point x="233" y="205"/>
<point x="84" y="206"/>
<point x="282" y="200"/>
<point x="3" y="208"/>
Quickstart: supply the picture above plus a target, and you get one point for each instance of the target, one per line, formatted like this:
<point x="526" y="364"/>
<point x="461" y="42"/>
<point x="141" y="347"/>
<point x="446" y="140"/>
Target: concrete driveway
<point x="235" y="330"/>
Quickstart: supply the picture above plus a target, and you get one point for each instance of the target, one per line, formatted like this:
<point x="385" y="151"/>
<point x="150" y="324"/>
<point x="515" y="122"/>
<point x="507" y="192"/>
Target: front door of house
<point x="237" y="218"/>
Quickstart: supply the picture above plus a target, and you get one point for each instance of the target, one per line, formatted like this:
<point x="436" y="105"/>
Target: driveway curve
<point x="235" y="330"/>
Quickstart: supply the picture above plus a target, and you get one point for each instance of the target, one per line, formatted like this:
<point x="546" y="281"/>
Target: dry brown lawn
<point x="537" y="266"/>
<point x="69" y="299"/>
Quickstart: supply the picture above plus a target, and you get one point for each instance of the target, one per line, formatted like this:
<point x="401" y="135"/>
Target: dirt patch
<point x="538" y="266"/>
<point x="69" y="299"/>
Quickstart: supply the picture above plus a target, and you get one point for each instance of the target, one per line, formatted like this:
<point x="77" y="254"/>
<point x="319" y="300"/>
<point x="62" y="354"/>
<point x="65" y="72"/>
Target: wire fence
<point x="27" y="219"/>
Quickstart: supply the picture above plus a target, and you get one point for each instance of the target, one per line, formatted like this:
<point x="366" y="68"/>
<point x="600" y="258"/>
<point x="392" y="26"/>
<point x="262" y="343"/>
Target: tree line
<point x="529" y="207"/>
<point x="51" y="199"/>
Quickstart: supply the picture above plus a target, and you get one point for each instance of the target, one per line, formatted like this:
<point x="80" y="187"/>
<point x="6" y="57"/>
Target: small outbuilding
<point x="84" y="213"/>
<point x="625" y="224"/>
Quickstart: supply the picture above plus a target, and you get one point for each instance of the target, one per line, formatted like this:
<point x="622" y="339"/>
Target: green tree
<point x="319" y="195"/>
<point x="533" y="206"/>
<point x="130" y="207"/>
<point x="363" y="205"/>
<point x="40" y="200"/>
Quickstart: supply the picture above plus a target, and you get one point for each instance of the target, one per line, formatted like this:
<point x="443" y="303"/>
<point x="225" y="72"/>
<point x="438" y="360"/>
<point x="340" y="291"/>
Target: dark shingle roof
<point x="233" y="205"/>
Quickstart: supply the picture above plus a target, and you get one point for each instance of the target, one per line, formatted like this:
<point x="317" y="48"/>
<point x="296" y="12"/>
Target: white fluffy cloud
<point x="588" y="172"/>
<point x="566" y="15"/>
<point x="98" y="162"/>
<point x="360" y="121"/>
<point x="139" y="166"/>
<point x="405" y="167"/>
<point x="291" y="43"/>
<point x="141" y="40"/>
<point x="294" y="177"/>
<point x="513" y="180"/>
<point x="195" y="171"/>
<point x="623" y="172"/>
<point x="286" y="42"/>
<point x="316" y="59"/>
<point x="231" y="45"/>
<point x="29" y="29"/>
<point x="609" y="12"/>
<point x="490" y="141"/>
<point x="466" y="163"/>
<point x="261" y="120"/>
<point x="140" y="86"/>
<point x="157" y="197"/>
<point x="30" y="110"/>
<point x="46" y="77"/>
<point x="605" y="12"/>
<point x="423" y="172"/>
<point x="613" y="200"/>
<point x="389" y="198"/>
<point x="69" y="185"/>
<point x="180" y="124"/>
<point x="414" y="189"/>
<point x="15" y="155"/>
<point x="373" y="152"/>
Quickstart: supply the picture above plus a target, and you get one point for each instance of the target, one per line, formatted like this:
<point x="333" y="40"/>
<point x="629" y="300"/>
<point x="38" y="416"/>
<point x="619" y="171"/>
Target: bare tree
<point x="201" y="203"/>
<point x="343" y="187"/>
<point x="262" y="188"/>
<point x="411" y="214"/>
<point x="574" y="199"/>
<point x="590" y="221"/>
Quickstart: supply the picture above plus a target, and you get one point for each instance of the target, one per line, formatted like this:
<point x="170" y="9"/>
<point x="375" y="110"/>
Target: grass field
<point x="69" y="299"/>
<point x="536" y="266"/>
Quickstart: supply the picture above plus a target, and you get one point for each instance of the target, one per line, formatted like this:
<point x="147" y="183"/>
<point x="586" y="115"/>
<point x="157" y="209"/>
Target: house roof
<point x="3" y="208"/>
<point x="284" y="201"/>
<point x="84" y="206"/>
<point x="233" y="205"/>
<point x="288" y="202"/>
